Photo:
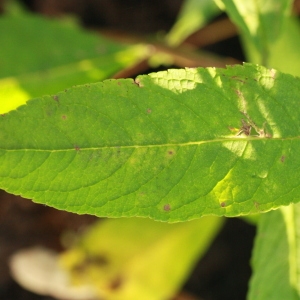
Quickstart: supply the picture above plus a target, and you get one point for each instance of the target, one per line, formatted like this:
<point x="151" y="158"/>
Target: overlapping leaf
<point x="194" y="15"/>
<point x="260" y="22"/>
<point x="172" y="146"/>
<point x="142" y="260"/>
<point x="276" y="256"/>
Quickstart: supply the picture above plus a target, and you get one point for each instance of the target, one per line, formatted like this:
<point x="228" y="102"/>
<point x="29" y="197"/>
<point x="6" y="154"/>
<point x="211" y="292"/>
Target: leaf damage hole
<point x="273" y="73"/>
<point x="167" y="207"/>
<point x="137" y="82"/>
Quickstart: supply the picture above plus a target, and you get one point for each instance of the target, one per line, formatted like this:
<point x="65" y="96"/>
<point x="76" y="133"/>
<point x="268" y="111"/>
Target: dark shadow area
<point x="224" y="271"/>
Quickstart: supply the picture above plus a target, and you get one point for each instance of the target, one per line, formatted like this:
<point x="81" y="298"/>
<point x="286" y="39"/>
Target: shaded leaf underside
<point x="163" y="146"/>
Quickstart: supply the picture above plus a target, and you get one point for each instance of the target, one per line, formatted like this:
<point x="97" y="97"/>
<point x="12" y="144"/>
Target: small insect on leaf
<point x="245" y="129"/>
<point x="247" y="126"/>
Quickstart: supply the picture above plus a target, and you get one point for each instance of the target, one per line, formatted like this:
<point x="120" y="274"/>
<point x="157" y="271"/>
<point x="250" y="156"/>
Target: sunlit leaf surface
<point x="172" y="146"/>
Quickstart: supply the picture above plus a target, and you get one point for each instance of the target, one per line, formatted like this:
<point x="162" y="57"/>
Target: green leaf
<point x="260" y="21"/>
<point x="285" y="50"/>
<point x="172" y="146"/>
<point x="193" y="16"/>
<point x="66" y="56"/>
<point x="138" y="258"/>
<point x="45" y="44"/>
<point x="276" y="257"/>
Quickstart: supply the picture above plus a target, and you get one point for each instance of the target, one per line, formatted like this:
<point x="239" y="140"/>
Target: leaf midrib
<point x="78" y="148"/>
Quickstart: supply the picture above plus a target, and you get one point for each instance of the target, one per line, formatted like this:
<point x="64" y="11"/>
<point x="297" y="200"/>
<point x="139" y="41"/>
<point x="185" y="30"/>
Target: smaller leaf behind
<point x="193" y="16"/>
<point x="260" y="22"/>
<point x="276" y="256"/>
<point x="138" y="258"/>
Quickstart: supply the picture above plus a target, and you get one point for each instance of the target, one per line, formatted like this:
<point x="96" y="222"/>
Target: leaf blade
<point x="277" y="242"/>
<point x="159" y="147"/>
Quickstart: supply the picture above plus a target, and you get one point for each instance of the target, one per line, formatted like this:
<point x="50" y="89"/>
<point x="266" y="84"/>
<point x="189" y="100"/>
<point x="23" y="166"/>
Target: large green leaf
<point x="166" y="146"/>
<point x="138" y="258"/>
<point x="276" y="257"/>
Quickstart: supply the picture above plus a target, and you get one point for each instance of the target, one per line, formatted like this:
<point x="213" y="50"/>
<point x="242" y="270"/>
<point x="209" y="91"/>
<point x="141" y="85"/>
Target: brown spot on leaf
<point x="167" y="207"/>
<point x="55" y="97"/>
<point x="116" y="283"/>
<point x="77" y="148"/>
<point x="238" y="92"/>
<point x="80" y="268"/>
<point x="223" y="204"/>
<point x="99" y="260"/>
<point x="149" y="111"/>
<point x="64" y="117"/>
<point x="282" y="158"/>
<point x="2" y="115"/>
<point x="238" y="79"/>
<point x="256" y="204"/>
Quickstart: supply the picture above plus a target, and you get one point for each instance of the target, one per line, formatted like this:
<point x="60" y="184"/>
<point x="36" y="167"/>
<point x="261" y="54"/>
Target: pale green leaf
<point x="284" y="54"/>
<point x="193" y="16"/>
<point x="138" y="258"/>
<point x="276" y="257"/>
<point x="170" y="146"/>
<point x="260" y="21"/>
